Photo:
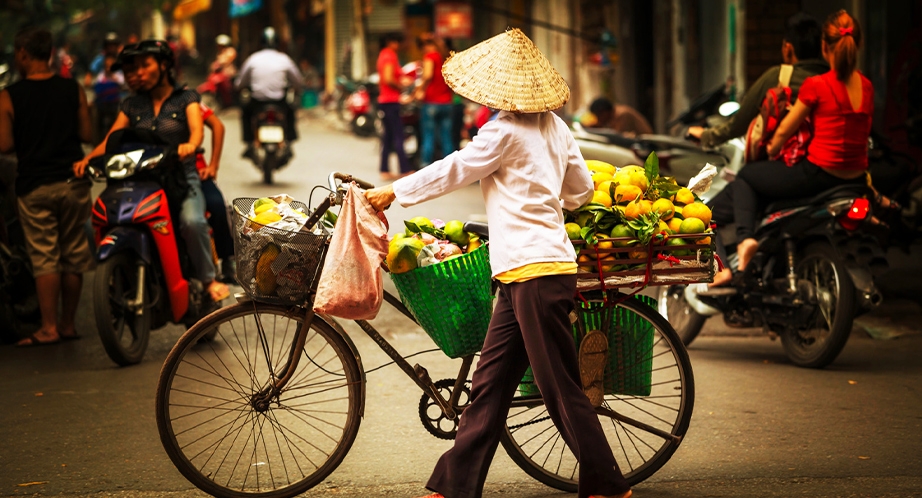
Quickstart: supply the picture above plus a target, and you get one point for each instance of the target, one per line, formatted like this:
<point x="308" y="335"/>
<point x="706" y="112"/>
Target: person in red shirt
<point x="436" y="97"/>
<point x="215" y="204"/>
<point x="390" y="88"/>
<point x="840" y="104"/>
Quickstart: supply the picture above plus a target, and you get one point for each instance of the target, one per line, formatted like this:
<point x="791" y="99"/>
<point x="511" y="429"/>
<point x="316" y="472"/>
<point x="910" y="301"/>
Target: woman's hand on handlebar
<point x="185" y="151"/>
<point x="80" y="167"/>
<point x="695" y="132"/>
<point x="381" y="197"/>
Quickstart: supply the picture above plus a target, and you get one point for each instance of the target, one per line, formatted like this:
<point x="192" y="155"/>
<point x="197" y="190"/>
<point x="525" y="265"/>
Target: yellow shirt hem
<point x="535" y="270"/>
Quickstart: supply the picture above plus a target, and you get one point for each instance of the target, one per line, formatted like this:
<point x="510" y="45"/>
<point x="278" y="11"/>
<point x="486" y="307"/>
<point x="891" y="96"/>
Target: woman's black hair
<point x="395" y="36"/>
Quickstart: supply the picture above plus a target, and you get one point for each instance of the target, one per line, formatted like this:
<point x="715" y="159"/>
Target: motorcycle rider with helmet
<point x="268" y="73"/>
<point x="226" y="57"/>
<point x="175" y="115"/>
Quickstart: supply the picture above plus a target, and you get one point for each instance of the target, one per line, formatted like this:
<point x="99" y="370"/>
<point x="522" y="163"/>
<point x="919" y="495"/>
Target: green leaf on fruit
<point x="651" y="167"/>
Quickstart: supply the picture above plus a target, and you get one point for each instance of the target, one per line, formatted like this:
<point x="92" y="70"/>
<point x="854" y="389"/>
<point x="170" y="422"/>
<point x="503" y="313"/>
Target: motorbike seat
<point x="827" y="195"/>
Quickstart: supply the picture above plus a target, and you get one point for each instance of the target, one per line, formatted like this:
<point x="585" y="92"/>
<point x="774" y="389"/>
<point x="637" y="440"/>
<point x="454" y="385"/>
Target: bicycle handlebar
<point x="344" y="178"/>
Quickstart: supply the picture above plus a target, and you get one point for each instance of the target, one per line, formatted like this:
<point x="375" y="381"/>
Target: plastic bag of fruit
<point x="351" y="285"/>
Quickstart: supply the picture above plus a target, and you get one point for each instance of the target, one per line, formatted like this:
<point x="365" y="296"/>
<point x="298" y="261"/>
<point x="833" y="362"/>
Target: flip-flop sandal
<point x="593" y="355"/>
<point x="34" y="341"/>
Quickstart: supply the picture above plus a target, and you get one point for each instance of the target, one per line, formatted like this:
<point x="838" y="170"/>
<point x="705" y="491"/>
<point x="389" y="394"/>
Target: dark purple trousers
<point x="392" y="140"/>
<point x="530" y="325"/>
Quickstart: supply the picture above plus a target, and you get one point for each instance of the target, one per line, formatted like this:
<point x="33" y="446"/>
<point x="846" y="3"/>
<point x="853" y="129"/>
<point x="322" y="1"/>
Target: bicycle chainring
<point x="431" y="415"/>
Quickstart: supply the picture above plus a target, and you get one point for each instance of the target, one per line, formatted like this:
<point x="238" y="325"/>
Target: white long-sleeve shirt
<point x="530" y="169"/>
<point x="268" y="74"/>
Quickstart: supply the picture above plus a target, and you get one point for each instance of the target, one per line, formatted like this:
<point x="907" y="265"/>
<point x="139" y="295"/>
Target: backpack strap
<point x="784" y="76"/>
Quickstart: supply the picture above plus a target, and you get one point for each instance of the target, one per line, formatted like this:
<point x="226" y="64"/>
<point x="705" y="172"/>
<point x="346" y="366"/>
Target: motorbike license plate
<point x="271" y="134"/>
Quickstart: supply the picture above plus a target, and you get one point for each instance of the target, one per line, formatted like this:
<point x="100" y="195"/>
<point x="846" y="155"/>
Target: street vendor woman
<point x="530" y="169"/>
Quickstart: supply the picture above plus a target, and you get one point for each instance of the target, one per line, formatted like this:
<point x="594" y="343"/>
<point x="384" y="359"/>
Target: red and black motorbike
<point x="217" y="91"/>
<point x="140" y="283"/>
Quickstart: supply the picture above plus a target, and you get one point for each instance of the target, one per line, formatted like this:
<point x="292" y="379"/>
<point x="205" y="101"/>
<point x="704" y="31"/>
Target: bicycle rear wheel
<point x="231" y="439"/>
<point x="643" y="431"/>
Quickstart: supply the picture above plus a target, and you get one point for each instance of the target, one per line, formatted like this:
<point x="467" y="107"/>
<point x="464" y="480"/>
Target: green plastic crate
<point x="630" y="349"/>
<point x="452" y="301"/>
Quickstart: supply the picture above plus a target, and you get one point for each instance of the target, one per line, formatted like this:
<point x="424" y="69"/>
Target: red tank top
<point x="438" y="91"/>
<point x="840" y="132"/>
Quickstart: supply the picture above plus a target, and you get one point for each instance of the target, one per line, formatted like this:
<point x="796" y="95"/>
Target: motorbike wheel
<point x="684" y="319"/>
<point x="269" y="165"/>
<point x="825" y="284"/>
<point x="124" y="330"/>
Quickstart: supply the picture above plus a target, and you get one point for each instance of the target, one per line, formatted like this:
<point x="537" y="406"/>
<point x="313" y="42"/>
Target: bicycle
<point x="272" y="404"/>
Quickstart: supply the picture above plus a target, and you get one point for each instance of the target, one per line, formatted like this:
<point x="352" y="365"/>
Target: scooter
<point x="812" y="275"/>
<point x="217" y="91"/>
<point x="139" y="283"/>
<point x="273" y="151"/>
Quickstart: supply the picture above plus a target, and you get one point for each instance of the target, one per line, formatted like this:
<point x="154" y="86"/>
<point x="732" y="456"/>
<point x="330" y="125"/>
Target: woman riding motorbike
<point x="175" y="115"/>
<point x="840" y="104"/>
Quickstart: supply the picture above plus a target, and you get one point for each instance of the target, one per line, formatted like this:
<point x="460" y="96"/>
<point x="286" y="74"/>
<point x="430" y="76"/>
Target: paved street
<point x="74" y="424"/>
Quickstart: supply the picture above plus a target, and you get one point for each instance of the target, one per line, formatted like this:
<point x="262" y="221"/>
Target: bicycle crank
<point x="431" y="415"/>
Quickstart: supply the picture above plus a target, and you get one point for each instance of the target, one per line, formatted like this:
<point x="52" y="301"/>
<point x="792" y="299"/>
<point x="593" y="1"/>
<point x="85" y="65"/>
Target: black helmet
<point x="158" y="48"/>
<point x="268" y="38"/>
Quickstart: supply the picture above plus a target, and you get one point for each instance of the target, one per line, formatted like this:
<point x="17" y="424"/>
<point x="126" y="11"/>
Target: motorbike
<point x="217" y="91"/>
<point x="365" y="119"/>
<point x="269" y="122"/>
<point x="812" y="275"/>
<point x="139" y="283"/>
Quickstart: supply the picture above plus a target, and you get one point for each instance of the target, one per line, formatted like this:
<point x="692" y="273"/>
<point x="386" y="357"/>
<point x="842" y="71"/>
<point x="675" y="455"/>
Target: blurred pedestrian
<point x="389" y="97"/>
<point x="44" y="119"/>
<point x="436" y="97"/>
<point x="621" y="118"/>
<point x="107" y="94"/>
<point x="214" y="199"/>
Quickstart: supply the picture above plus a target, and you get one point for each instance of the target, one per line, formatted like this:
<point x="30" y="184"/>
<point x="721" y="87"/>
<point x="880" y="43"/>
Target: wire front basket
<point x="276" y="266"/>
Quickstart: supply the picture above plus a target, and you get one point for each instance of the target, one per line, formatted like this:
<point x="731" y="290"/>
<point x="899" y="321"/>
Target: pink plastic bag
<point x="351" y="284"/>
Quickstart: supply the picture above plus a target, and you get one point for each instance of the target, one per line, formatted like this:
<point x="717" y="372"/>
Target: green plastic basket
<point x="630" y="348"/>
<point x="452" y="301"/>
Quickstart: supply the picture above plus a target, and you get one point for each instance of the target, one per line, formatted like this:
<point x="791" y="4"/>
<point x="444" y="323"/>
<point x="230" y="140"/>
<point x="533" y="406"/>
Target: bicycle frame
<point x="417" y="373"/>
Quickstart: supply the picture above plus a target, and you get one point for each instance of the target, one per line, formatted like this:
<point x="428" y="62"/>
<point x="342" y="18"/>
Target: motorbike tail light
<point x="270" y="116"/>
<point x="856" y="214"/>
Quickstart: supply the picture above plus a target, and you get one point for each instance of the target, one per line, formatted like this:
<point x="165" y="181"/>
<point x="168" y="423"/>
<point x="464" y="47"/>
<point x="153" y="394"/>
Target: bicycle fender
<point x="329" y="320"/>
<point x="124" y="239"/>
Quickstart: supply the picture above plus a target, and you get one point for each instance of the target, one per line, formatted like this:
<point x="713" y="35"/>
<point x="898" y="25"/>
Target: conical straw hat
<point x="507" y="72"/>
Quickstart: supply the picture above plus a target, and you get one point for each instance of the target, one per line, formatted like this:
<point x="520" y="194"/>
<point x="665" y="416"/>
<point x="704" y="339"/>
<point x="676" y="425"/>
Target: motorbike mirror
<point x="728" y="108"/>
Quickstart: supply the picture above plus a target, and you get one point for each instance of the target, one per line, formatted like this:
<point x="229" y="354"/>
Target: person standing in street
<point x="44" y="118"/>
<point x="269" y="74"/>
<point x="390" y="88"/>
<point x="530" y="169"/>
<point x="436" y="98"/>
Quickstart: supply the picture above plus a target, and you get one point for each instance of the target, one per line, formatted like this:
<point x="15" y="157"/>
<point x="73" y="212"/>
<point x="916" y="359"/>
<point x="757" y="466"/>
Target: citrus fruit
<point x="678" y="242"/>
<point x="420" y="221"/>
<point x="474" y="242"/>
<point x="639" y="180"/>
<point x="678" y="211"/>
<point x="674" y="223"/>
<point x="703" y="241"/>
<point x="582" y="219"/>
<point x="397" y="237"/>
<point x="697" y="210"/>
<point x="599" y="178"/>
<point x="691" y="225"/>
<point x="454" y="230"/>
<point x="622" y="231"/>
<point x="663" y="227"/>
<point x="627" y="193"/>
<point x="604" y="244"/>
<point x="632" y="168"/>
<point x="401" y="256"/>
<point x="684" y="196"/>
<point x="638" y="254"/>
<point x="636" y="209"/>
<point x="262" y="204"/>
<point x="600" y="166"/>
<point x="573" y="231"/>
<point x="605" y="186"/>
<point x="602" y="198"/>
<point x="267" y="217"/>
<point x="622" y="178"/>
<point x="665" y="209"/>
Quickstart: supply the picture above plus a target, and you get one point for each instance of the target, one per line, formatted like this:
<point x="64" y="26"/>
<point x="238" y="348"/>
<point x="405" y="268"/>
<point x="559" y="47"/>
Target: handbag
<point x="775" y="106"/>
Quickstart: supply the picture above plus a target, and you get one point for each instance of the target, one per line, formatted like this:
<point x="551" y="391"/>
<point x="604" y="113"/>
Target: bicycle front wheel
<point x="226" y="430"/>
<point x="643" y="431"/>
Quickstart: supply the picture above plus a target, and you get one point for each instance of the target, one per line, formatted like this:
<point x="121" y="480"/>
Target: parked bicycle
<point x="272" y="405"/>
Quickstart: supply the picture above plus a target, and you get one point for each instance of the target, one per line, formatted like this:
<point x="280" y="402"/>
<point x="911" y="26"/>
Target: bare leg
<point x="745" y="250"/>
<point x="71" y="287"/>
<point x="48" y="288"/>
<point x="723" y="277"/>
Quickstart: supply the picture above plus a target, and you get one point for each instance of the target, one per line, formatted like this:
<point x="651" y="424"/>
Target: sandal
<point x="593" y="355"/>
<point x="34" y="341"/>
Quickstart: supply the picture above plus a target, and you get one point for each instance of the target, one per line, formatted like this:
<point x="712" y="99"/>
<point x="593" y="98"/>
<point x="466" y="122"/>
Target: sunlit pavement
<point x="75" y="424"/>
